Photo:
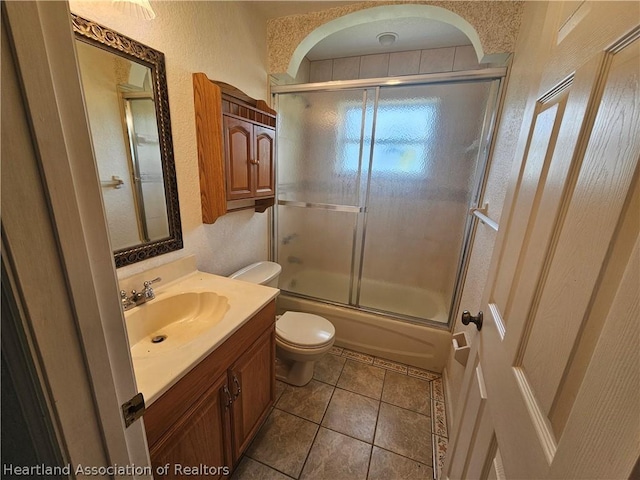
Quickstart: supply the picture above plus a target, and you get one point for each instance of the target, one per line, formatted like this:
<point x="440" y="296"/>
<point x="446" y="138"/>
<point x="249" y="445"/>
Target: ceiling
<point x="268" y="9"/>
<point x="413" y="33"/>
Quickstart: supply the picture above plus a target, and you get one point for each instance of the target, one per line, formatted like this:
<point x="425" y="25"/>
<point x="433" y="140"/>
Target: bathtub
<point x="377" y="334"/>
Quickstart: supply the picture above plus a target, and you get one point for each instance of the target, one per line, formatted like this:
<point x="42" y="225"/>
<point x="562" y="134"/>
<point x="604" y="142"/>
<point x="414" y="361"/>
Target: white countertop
<point x="156" y="374"/>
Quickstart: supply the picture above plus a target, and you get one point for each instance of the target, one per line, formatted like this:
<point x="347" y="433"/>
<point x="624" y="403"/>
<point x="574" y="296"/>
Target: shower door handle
<point x="468" y="318"/>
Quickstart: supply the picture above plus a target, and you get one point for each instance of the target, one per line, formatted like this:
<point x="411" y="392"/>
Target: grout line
<point x="434" y="449"/>
<point x="324" y="414"/>
<point x="268" y="466"/>
<point x="347" y="435"/>
<point x="409" y="410"/>
<point x="306" y="458"/>
<point x="375" y="428"/>
<point x="297" y="416"/>
<point x="431" y="416"/>
<point x="404" y="456"/>
<point x="434" y="457"/>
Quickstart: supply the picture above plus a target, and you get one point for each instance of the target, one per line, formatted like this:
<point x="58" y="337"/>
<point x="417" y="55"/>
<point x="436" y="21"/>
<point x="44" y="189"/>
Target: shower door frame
<point x="477" y="194"/>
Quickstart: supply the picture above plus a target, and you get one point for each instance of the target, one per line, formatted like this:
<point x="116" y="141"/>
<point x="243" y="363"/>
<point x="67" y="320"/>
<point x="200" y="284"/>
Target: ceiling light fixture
<point x="135" y="8"/>
<point x="387" y="39"/>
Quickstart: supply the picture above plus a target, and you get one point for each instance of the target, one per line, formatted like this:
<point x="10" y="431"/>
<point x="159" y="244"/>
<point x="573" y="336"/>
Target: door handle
<point x="226" y="391"/>
<point x="468" y="318"/>
<point x="238" y="389"/>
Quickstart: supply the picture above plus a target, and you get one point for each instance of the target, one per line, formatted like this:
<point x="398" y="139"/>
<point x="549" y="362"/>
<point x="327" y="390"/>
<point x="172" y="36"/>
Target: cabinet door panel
<point x="200" y="437"/>
<point x="254" y="374"/>
<point x="265" y="155"/>
<point x="239" y="152"/>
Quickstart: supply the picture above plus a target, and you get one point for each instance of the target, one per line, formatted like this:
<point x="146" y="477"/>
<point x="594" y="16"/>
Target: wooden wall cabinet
<point x="211" y="415"/>
<point x="236" y="138"/>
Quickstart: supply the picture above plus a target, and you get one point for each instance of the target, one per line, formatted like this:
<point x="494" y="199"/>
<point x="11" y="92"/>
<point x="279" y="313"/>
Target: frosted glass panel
<point x="319" y="146"/>
<point x="410" y="162"/>
<point x="423" y="171"/>
<point x="315" y="251"/>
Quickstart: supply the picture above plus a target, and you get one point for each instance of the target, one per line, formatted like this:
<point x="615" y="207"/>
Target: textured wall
<point x="225" y="41"/>
<point x="496" y="23"/>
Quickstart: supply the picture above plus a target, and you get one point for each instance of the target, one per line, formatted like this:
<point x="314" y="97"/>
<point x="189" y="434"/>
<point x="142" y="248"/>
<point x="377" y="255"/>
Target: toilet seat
<point x="304" y="330"/>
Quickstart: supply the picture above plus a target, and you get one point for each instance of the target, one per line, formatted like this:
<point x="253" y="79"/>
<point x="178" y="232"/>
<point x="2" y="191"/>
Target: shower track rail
<point x="424" y="79"/>
<point x="323" y="206"/>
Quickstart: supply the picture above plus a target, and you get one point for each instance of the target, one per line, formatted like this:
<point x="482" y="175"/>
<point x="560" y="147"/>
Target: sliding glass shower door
<point x="374" y="187"/>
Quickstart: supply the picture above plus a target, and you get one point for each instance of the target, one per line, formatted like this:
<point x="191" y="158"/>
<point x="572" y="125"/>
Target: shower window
<point x="373" y="193"/>
<point x="404" y="132"/>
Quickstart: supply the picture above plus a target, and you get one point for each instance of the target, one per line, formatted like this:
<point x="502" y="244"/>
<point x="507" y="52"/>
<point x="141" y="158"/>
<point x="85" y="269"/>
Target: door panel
<point x="239" y="147"/>
<point x="590" y="222"/>
<point x="475" y="430"/>
<point x="196" y="439"/>
<point x="251" y="380"/>
<point x="545" y="131"/>
<point x="496" y="469"/>
<point x="569" y="210"/>
<point x="264" y="156"/>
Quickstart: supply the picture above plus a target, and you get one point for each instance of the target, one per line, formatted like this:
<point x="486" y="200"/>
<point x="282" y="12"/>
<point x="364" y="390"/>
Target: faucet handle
<point x="149" y="282"/>
<point x="148" y="291"/>
<point x="126" y="301"/>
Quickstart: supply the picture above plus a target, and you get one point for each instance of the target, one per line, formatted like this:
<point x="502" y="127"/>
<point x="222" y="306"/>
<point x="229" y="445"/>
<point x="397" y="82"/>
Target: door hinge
<point x="133" y="409"/>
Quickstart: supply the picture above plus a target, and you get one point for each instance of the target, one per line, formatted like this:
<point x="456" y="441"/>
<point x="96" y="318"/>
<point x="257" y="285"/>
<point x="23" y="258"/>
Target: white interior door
<point x="553" y="387"/>
<point x="56" y="240"/>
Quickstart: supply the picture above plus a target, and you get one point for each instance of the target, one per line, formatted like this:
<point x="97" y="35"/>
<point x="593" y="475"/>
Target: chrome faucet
<point x="148" y="291"/>
<point x="138" y="298"/>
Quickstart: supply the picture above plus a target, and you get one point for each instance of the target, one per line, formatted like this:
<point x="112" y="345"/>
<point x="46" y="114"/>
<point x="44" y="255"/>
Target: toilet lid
<point x="304" y="329"/>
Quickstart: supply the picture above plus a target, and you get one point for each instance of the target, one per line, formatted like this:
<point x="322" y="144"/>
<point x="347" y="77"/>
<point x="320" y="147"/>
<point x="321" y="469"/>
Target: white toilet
<point x="301" y="338"/>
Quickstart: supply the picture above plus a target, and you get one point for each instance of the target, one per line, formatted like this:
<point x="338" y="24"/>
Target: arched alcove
<point x="490" y="26"/>
<point x="386" y="12"/>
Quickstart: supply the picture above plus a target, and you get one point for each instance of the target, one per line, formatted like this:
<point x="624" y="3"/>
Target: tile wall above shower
<point x="413" y="62"/>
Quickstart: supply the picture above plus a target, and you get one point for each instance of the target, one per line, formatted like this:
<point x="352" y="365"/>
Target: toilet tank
<point x="264" y="273"/>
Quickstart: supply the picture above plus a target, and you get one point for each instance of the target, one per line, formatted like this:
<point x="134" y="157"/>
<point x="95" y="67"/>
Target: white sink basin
<point x="172" y="322"/>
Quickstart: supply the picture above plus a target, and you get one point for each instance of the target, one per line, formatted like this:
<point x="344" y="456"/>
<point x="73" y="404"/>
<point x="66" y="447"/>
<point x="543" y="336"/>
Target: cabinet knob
<point x="254" y="162"/>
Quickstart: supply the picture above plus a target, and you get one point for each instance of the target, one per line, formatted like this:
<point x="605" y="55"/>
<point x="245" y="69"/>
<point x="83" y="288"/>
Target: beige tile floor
<point x="361" y="417"/>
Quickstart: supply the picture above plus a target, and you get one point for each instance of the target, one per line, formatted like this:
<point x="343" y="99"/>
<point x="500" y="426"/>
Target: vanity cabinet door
<point x="239" y="153"/>
<point x="252" y="383"/>
<point x="199" y="437"/>
<point x="264" y="162"/>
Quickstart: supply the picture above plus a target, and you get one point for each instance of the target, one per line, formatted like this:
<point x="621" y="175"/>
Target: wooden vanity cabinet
<point x="200" y="436"/>
<point x="236" y="137"/>
<point x="251" y="393"/>
<point x="211" y="415"/>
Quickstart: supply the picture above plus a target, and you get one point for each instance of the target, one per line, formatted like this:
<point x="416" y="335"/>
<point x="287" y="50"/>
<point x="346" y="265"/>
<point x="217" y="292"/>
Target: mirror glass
<point x="127" y="107"/>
